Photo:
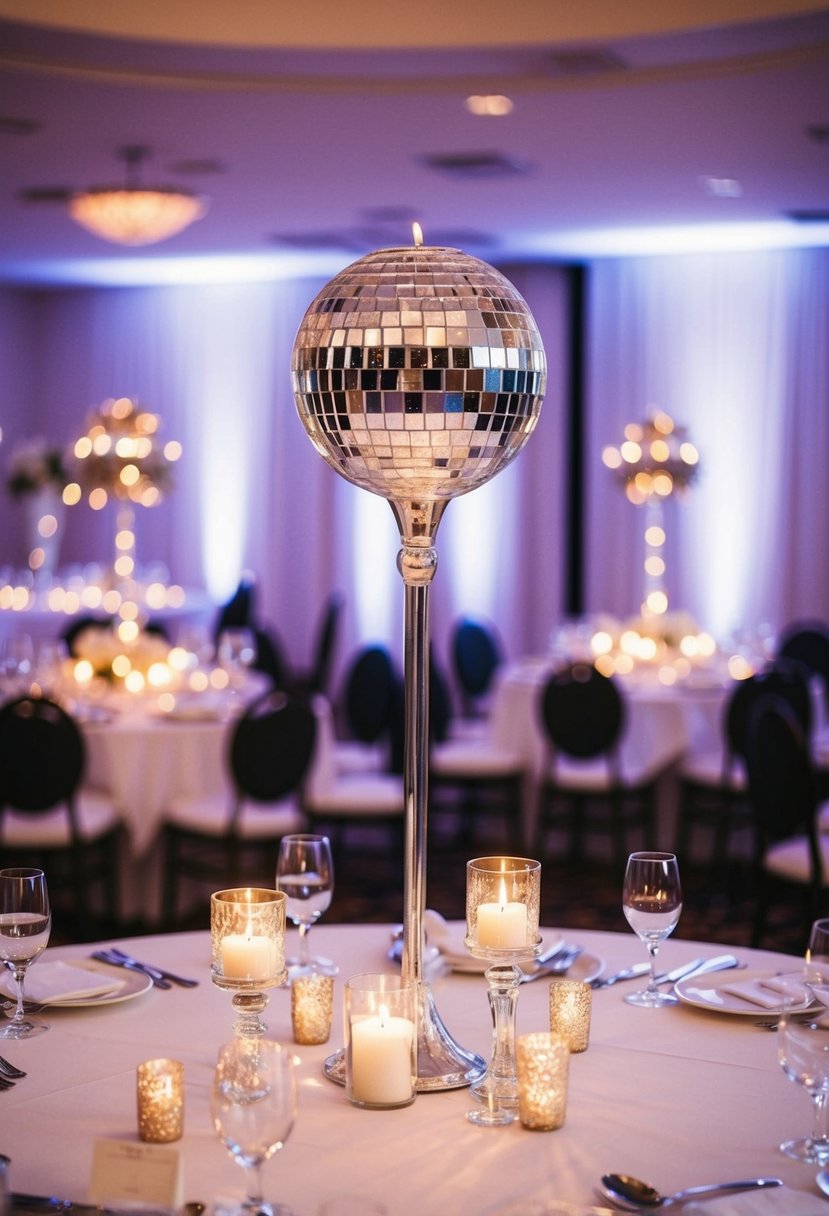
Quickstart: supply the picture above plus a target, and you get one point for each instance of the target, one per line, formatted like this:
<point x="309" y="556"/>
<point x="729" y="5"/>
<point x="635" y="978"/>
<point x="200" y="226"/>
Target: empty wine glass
<point x="652" y="902"/>
<point x="253" y="1104"/>
<point x="816" y="971"/>
<point x="25" y="921"/>
<point x="803" y="1052"/>
<point x="236" y="653"/>
<point x="305" y="872"/>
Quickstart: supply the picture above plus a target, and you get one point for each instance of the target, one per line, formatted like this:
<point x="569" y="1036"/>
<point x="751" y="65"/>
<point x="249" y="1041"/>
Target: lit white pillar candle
<point x="502" y="925"/>
<point x="381" y="1059"/>
<point x="246" y="956"/>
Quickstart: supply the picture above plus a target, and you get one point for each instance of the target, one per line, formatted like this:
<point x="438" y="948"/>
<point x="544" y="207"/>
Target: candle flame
<point x="502" y="898"/>
<point x="383" y="1013"/>
<point x="417" y="234"/>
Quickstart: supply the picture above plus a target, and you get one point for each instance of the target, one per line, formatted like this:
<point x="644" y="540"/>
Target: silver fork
<point x="9" y="1069"/>
<point x="562" y="963"/>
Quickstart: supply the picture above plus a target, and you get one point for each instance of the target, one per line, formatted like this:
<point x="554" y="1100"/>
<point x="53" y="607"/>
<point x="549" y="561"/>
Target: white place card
<point x="141" y="1173"/>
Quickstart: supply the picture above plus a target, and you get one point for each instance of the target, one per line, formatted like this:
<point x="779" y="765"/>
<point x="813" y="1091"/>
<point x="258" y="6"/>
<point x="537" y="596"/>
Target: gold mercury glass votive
<point x="571" y="1002"/>
<point x="312" y="1001"/>
<point x="542" y="1063"/>
<point x="160" y="1093"/>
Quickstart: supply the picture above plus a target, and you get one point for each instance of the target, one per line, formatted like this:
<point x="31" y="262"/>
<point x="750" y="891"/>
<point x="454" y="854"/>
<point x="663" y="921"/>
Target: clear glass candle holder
<point x="503" y="898"/>
<point x="312" y="999"/>
<point x="160" y="1096"/>
<point x="379" y="1023"/>
<point x="247" y="938"/>
<point x="571" y="1003"/>
<point x="543" y="1066"/>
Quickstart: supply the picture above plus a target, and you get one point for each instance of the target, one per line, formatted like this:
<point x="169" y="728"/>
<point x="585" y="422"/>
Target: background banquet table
<point x="677" y="1096"/>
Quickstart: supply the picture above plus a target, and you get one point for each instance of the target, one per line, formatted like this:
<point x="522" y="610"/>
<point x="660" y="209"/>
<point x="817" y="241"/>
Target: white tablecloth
<point x="677" y="1096"/>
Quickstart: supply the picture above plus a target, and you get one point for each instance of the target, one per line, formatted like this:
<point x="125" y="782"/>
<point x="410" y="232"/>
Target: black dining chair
<point x="583" y="788"/>
<point x="713" y="787"/>
<point x="47" y="818"/>
<point x="476" y="657"/>
<point x="790" y="853"/>
<point x="317" y="679"/>
<point x="232" y="837"/>
<point x="366" y="711"/>
<point x="807" y="642"/>
<point x="239" y="612"/>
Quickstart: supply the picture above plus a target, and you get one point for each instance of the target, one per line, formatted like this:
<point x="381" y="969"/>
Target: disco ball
<point x="418" y="373"/>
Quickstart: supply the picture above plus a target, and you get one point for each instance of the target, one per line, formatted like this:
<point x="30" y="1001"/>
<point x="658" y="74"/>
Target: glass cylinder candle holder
<point x="503" y="898"/>
<point x="160" y="1094"/>
<point x="312" y="998"/>
<point x="543" y="1065"/>
<point x="379" y="1022"/>
<point x="571" y="1002"/>
<point x="247" y="938"/>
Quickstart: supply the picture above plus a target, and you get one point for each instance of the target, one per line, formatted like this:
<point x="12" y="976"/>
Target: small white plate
<point x="134" y="983"/>
<point x="457" y="959"/>
<point x="708" y="992"/>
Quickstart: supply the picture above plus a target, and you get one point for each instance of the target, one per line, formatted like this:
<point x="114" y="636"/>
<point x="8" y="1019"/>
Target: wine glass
<point x="816" y="971"/>
<point x="803" y="1052"/>
<point x="25" y="921"/>
<point x="652" y="902"/>
<point x="236" y="654"/>
<point x="253" y="1104"/>
<point x="305" y="872"/>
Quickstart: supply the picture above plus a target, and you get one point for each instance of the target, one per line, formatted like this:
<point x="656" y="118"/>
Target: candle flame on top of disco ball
<point x="418" y="373"/>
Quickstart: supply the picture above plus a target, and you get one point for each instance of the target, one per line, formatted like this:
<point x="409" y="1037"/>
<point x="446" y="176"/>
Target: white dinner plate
<point x="709" y="992"/>
<point x="133" y="984"/>
<point x="587" y="967"/>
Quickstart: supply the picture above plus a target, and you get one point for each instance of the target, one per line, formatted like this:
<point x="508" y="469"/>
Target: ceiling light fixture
<point x="135" y="214"/>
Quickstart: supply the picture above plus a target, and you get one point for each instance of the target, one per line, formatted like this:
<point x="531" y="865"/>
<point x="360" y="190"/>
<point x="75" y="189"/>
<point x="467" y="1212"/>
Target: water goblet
<point x="803" y="1052"/>
<point x="652" y="903"/>
<point x="253" y="1104"/>
<point x="305" y="872"/>
<point x="25" y="921"/>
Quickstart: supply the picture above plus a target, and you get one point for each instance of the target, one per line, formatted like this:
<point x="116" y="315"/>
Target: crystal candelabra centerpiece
<point x="419" y="374"/>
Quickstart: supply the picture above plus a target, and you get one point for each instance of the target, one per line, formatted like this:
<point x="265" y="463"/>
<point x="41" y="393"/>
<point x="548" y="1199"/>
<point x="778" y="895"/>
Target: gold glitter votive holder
<point x="571" y="1002"/>
<point x="312" y="1002"/>
<point x="542" y="1063"/>
<point x="160" y="1092"/>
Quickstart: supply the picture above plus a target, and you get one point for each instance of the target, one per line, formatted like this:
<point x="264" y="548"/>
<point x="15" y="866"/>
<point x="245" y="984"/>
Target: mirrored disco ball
<point x="418" y="373"/>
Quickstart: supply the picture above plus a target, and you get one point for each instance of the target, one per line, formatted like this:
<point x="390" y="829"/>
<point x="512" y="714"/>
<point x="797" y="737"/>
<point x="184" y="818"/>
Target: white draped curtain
<point x="251" y="493"/>
<point x="736" y="348"/>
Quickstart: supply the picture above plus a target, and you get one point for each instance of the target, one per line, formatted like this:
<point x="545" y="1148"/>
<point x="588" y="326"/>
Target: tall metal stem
<point x="441" y="1062"/>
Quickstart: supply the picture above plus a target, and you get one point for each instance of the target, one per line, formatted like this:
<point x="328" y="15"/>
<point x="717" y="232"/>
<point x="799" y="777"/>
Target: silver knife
<point x="629" y="973"/>
<point x="722" y="962"/>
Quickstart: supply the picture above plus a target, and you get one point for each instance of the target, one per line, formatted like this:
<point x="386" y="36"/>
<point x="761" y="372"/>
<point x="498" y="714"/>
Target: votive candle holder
<point x="247" y="938"/>
<point x="503" y="898"/>
<point x="312" y="999"/>
<point x="571" y="1003"/>
<point x="542" y="1064"/>
<point x="160" y="1094"/>
<point x="380" y="1030"/>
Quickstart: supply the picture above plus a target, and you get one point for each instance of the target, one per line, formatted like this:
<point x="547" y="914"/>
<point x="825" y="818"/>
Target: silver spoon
<point x="635" y="1196"/>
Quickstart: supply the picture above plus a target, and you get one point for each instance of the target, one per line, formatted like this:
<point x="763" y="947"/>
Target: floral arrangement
<point x="35" y="466"/>
<point x="122" y="455"/>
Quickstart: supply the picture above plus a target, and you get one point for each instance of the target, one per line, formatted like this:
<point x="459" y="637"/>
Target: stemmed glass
<point x="25" y="921"/>
<point x="305" y="872"/>
<point x="816" y="973"/>
<point x="652" y="903"/>
<point x="803" y="1052"/>
<point x="237" y="653"/>
<point x="254" y="1104"/>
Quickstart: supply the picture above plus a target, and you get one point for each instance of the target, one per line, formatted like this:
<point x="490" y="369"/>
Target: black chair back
<point x="239" y="611"/>
<point x="271" y="746"/>
<point x="270" y="658"/>
<point x="42" y="755"/>
<point x="368" y="694"/>
<point x="476" y="657"/>
<point x="319" y="677"/>
<point x="807" y="642"/>
<point x="582" y="712"/>
<point x="78" y="625"/>
<point x="784" y="678"/>
<point x="780" y="773"/>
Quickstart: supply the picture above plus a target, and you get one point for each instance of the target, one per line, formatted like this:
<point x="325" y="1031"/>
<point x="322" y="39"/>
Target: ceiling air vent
<point x="475" y="164"/>
<point x="585" y="63"/>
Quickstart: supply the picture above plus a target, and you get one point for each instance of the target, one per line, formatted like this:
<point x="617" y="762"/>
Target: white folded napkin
<point x="758" y="992"/>
<point x="776" y="1201"/>
<point x="57" y="981"/>
<point x="449" y="939"/>
<point x="790" y="986"/>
